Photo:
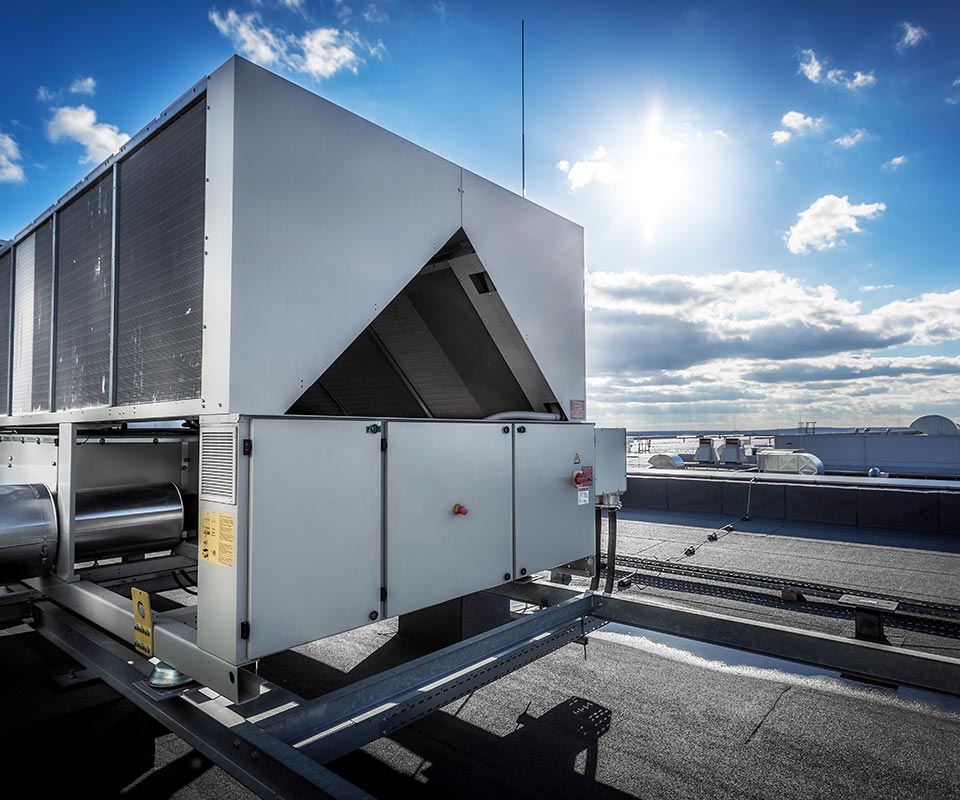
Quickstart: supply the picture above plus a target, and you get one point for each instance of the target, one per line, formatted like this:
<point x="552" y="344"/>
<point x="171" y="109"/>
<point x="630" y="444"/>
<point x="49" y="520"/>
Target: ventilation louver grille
<point x="218" y="466"/>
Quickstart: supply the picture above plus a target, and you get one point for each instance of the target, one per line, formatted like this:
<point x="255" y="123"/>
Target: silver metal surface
<point x="264" y="765"/>
<point x="347" y="718"/>
<point x="174" y="642"/>
<point x="166" y="677"/>
<point x="129" y="519"/>
<point x="66" y="498"/>
<point x="28" y="531"/>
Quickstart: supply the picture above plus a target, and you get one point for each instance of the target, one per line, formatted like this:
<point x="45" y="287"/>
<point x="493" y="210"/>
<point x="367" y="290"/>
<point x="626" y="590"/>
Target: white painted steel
<point x="23" y="325"/>
<point x="433" y="554"/>
<point x="332" y="217"/>
<point x="551" y="526"/>
<point x="610" y="471"/>
<point x="315" y="546"/>
<point x="535" y="258"/>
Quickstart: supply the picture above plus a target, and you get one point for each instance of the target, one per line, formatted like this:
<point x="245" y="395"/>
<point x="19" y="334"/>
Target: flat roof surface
<point x="638" y="717"/>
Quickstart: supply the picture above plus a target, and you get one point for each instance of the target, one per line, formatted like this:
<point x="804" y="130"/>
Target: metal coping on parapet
<point x="155" y="125"/>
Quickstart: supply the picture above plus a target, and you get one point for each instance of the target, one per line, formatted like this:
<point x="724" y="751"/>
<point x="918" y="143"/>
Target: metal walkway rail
<point x="907" y="604"/>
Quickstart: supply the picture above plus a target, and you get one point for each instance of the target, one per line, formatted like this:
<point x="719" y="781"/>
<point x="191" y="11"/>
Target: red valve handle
<point x="460" y="510"/>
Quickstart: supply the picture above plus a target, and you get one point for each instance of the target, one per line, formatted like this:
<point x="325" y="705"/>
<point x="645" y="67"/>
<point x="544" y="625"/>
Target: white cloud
<point x="440" y="8"/>
<point x="11" y="170"/>
<point x="876" y="287"/>
<point x="320" y="53"/>
<point x="761" y="344"/>
<point x="815" y="70"/>
<point x="912" y="36"/>
<point x="954" y="98"/>
<point x="595" y="168"/>
<point x="721" y="134"/>
<point x="895" y="163"/>
<point x="250" y="38"/>
<point x="79" y="124"/>
<point x="293" y="5"/>
<point x="820" y="226"/>
<point x="810" y="66"/>
<point x="851" y="139"/>
<point x="87" y="86"/>
<point x="374" y="15"/>
<point x="47" y="95"/>
<point x="798" y="122"/>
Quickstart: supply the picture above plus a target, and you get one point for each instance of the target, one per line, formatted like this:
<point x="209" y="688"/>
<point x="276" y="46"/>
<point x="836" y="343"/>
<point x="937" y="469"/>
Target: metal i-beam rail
<point x="362" y="712"/>
<point x="850" y="656"/>
<point x="263" y="764"/>
<point x="913" y="605"/>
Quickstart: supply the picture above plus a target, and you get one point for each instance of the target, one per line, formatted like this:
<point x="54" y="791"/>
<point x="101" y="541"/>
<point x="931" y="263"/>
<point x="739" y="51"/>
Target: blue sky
<point x="768" y="191"/>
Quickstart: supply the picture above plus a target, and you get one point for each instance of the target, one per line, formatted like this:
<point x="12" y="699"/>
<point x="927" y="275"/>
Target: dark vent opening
<point x="482" y="283"/>
<point x="427" y="354"/>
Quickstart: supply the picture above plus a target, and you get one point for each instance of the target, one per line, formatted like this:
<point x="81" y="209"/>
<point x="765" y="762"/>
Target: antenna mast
<point x="523" y="120"/>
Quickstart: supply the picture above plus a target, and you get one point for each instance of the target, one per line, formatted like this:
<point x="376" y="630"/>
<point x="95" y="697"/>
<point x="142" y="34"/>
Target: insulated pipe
<point x="598" y="548"/>
<point x="611" y="548"/>
<point x="534" y="416"/>
<point x="109" y="522"/>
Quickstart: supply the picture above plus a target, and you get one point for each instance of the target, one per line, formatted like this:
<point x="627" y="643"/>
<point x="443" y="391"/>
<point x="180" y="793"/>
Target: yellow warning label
<point x="142" y="623"/>
<point x="218" y="534"/>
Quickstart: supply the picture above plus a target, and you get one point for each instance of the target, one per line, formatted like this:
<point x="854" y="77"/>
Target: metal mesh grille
<point x="218" y="466"/>
<point x="160" y="264"/>
<point x="5" y="260"/>
<point x="417" y="353"/>
<point x="363" y="381"/>
<point x="84" y="231"/>
<point x="42" y="313"/>
<point x="465" y="342"/>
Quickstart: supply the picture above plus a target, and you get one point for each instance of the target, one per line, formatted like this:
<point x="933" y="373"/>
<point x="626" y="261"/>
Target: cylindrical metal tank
<point x="28" y="530"/>
<point x="109" y="522"/>
<point x="122" y="520"/>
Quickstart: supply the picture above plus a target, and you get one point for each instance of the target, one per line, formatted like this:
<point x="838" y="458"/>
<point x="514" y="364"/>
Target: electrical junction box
<point x="610" y="473"/>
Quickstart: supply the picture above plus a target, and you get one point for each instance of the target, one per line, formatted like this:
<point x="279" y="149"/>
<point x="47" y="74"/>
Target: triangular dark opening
<point x="427" y="354"/>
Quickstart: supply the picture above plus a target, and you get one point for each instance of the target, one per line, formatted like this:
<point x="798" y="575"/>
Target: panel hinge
<point x="244" y="630"/>
<point x="247" y="447"/>
<point x="383" y="594"/>
<point x="383" y="445"/>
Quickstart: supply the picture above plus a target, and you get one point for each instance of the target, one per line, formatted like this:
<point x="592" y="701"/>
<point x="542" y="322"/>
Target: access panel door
<point x="434" y="470"/>
<point x="315" y="544"/>
<point x="554" y="519"/>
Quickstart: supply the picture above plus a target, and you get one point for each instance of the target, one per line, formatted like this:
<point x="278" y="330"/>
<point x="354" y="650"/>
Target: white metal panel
<point x="433" y="554"/>
<point x="23" y="325"/>
<point x="553" y="525"/>
<point x="332" y="216"/>
<point x="535" y="258"/>
<point x="610" y="471"/>
<point x="223" y="588"/>
<point x="218" y="240"/>
<point x="315" y="541"/>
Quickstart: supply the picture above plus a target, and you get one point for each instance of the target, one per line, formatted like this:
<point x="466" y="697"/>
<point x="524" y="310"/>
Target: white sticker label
<point x="583" y="497"/>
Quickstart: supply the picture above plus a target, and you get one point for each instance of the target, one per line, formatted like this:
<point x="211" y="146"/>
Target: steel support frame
<point x="849" y="656"/>
<point x="343" y="720"/>
<point x="276" y="744"/>
<point x="173" y="642"/>
<point x="260" y="762"/>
